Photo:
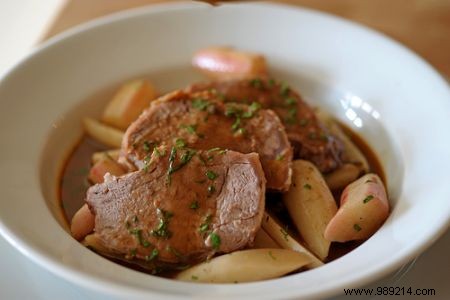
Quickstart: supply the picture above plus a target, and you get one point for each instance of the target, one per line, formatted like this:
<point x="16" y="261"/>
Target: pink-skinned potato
<point x="103" y="166"/>
<point x="227" y="63"/>
<point x="364" y="207"/>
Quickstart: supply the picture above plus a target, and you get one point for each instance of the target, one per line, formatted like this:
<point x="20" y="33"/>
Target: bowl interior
<point x="365" y="80"/>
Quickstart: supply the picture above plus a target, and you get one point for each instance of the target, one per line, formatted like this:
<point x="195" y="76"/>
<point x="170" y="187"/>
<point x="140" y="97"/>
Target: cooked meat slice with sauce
<point x="180" y="209"/>
<point x="202" y="121"/>
<point x="310" y="138"/>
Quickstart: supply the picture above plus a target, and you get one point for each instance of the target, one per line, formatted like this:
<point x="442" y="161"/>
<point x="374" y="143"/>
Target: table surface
<point x="422" y="25"/>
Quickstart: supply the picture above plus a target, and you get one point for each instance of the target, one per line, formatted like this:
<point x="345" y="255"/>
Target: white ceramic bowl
<point x="376" y="86"/>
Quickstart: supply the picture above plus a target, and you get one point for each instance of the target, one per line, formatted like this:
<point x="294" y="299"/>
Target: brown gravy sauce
<point x="74" y="184"/>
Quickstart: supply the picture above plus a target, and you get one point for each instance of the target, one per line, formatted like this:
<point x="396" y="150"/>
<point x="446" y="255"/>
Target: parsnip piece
<point x="113" y="154"/>
<point x="103" y="133"/>
<point x="128" y="103"/>
<point x="246" y="266"/>
<point x="310" y="205"/>
<point x="227" y="63"/>
<point x="263" y="240"/>
<point x="364" y="208"/>
<point x="103" y="166"/>
<point x="341" y="177"/>
<point x="279" y="235"/>
<point x="82" y="223"/>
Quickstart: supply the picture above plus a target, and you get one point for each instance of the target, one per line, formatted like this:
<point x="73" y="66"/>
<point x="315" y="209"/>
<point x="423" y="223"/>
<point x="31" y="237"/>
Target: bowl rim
<point x="95" y="283"/>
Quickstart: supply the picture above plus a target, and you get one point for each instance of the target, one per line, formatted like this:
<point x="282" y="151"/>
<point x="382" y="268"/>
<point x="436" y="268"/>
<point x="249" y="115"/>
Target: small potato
<point x="128" y="103"/>
<point x="113" y="154"/>
<point x="364" y="208"/>
<point x="263" y="240"/>
<point x="282" y="237"/>
<point x="341" y="177"/>
<point x="227" y="63"/>
<point x="103" y="166"/>
<point x="82" y="223"/>
<point x="246" y="266"/>
<point x="107" y="135"/>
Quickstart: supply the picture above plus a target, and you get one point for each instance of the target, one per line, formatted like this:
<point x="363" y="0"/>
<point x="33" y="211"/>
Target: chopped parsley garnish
<point x="180" y="143"/>
<point x="190" y="128"/>
<point x="240" y="131"/>
<point x="213" y="149"/>
<point x="215" y="240"/>
<point x="290" y="101"/>
<point x="236" y="123"/>
<point x="211" y="175"/>
<point x="200" y="104"/>
<point x="133" y="252"/>
<point x="138" y="234"/>
<point x="257" y="83"/>
<point x="152" y="255"/>
<point x="147" y="146"/>
<point x="357" y="227"/>
<point x="194" y="205"/>
<point x="271" y="82"/>
<point x="284" y="233"/>
<point x="307" y="186"/>
<point x="368" y="198"/>
<point x="162" y="230"/>
<point x="174" y="251"/>
<point x="193" y="277"/>
<point x="272" y="256"/>
<point x="284" y="89"/>
<point x="158" y="152"/>
<point x="279" y="157"/>
<point x="205" y="225"/>
<point x="252" y="109"/>
<point x="291" y="115"/>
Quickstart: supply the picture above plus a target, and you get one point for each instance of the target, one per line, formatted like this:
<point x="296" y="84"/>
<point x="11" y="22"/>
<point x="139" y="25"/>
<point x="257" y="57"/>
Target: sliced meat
<point x="180" y="210"/>
<point x="310" y="139"/>
<point x="202" y="121"/>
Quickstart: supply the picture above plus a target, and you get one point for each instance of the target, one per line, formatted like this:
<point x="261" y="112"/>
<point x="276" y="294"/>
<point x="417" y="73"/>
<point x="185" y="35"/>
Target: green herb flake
<point x="240" y="131"/>
<point x="272" y="256"/>
<point x="214" y="149"/>
<point x="180" y="143"/>
<point x="236" y="124"/>
<point x="324" y="137"/>
<point x="147" y="146"/>
<point x="205" y="225"/>
<point x="368" y="198"/>
<point x="279" y="157"/>
<point x="357" y="227"/>
<point x="193" y="277"/>
<point x="284" y="89"/>
<point x="152" y="255"/>
<point x="284" y="233"/>
<point x="162" y="230"/>
<point x="194" y="205"/>
<point x="257" y="83"/>
<point x="192" y="129"/>
<point x="211" y="175"/>
<point x="158" y="152"/>
<point x="290" y="101"/>
<point x="252" y="109"/>
<point x="307" y="186"/>
<point x="200" y="104"/>
<point x="133" y="252"/>
<point x="215" y="240"/>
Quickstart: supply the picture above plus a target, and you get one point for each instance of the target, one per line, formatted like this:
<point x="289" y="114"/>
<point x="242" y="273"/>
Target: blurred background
<point x="422" y="25"/>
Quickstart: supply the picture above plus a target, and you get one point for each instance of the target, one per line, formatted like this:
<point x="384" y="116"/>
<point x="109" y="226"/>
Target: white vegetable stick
<point x="310" y="205"/>
<point x="246" y="266"/>
<point x="103" y="133"/>
<point x="280" y="236"/>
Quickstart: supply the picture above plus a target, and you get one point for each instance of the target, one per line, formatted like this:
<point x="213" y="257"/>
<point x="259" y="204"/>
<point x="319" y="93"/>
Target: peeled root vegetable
<point x="227" y="63"/>
<point x="82" y="223"/>
<point x="128" y="103"/>
<point x="364" y="208"/>
<point x="246" y="266"/>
